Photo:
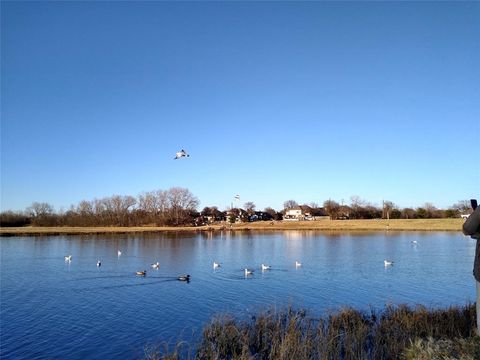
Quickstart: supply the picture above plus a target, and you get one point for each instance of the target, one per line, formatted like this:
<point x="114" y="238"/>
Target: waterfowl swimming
<point x="248" y="272"/>
<point x="156" y="265"/>
<point x="297" y="264"/>
<point x="184" y="278"/>
<point x="216" y="265"/>
<point x="266" y="267"/>
<point x="99" y="263"/>
<point x="414" y="242"/>
<point x="388" y="262"/>
<point x="68" y="258"/>
<point x="180" y="154"/>
<point x="141" y="273"/>
<point x="119" y="253"/>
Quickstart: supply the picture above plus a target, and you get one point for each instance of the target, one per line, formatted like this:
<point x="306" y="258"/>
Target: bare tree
<point x="153" y="205"/>
<point x="116" y="209"/>
<point x="147" y="202"/>
<point x="463" y="206"/>
<point x="82" y="215"/>
<point x="249" y="207"/>
<point x="10" y="218"/>
<point x="356" y="204"/>
<point x="270" y="211"/>
<point x="290" y="204"/>
<point x="40" y="209"/>
<point x="431" y="210"/>
<point x="42" y="214"/>
<point x="85" y="208"/>
<point x="408" y="213"/>
<point x="181" y="201"/>
<point x="332" y="208"/>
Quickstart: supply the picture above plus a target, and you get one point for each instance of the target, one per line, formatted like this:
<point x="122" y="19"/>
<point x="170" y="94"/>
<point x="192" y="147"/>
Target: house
<point x="294" y="214"/>
<point x="304" y="213"/>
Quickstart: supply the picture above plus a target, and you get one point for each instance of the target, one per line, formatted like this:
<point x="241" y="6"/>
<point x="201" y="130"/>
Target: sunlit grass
<point x="319" y="225"/>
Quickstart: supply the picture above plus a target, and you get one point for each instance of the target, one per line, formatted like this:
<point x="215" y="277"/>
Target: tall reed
<point x="392" y="333"/>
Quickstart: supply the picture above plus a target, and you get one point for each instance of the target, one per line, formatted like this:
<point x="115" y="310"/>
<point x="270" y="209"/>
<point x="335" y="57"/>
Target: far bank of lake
<point x="319" y="225"/>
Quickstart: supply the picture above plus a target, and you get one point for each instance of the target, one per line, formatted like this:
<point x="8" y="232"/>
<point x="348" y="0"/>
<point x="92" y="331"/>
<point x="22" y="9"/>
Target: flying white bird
<point x="180" y="154"/>
<point x="68" y="258"/>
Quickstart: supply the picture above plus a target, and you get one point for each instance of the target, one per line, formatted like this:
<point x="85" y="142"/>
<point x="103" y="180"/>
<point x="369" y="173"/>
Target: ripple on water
<point x="53" y="309"/>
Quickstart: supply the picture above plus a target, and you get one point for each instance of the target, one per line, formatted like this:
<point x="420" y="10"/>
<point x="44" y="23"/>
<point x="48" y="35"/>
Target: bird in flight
<point x="180" y="154"/>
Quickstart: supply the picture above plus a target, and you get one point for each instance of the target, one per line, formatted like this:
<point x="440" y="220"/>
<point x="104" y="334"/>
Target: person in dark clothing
<point x="471" y="227"/>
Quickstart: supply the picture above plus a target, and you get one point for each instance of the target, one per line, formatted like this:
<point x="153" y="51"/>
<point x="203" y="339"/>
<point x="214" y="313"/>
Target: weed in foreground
<point x="401" y="332"/>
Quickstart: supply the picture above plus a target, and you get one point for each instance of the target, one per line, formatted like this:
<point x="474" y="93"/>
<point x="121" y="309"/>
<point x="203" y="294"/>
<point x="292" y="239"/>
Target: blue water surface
<point x="54" y="309"/>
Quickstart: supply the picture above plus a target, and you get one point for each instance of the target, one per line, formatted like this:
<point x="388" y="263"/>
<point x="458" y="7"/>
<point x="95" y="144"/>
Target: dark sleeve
<point x="472" y="224"/>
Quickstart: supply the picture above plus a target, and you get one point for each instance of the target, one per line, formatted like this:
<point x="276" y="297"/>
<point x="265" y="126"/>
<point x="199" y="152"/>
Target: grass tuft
<point x="401" y="332"/>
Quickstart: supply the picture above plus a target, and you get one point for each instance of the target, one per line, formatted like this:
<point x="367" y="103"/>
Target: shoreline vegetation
<point x="397" y="332"/>
<point x="317" y="225"/>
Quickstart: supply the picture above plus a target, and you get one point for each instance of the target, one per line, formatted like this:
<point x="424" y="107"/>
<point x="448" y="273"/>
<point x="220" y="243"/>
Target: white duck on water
<point x="248" y="272"/>
<point x="216" y="265"/>
<point x="68" y="258"/>
<point x="266" y="267"/>
<point x="387" y="262"/>
<point x="156" y="265"/>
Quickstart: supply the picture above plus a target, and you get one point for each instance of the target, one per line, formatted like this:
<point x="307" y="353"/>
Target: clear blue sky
<point x="273" y="100"/>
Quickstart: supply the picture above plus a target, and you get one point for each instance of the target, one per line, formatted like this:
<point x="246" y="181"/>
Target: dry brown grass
<point x="358" y="225"/>
<point x="396" y="333"/>
<point x="319" y="225"/>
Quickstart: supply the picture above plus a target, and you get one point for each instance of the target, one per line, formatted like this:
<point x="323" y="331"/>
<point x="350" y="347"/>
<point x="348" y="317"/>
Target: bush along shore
<point x="397" y="332"/>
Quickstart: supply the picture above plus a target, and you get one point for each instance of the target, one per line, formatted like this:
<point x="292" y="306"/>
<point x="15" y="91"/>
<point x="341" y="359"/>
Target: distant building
<point x="304" y="212"/>
<point x="294" y="214"/>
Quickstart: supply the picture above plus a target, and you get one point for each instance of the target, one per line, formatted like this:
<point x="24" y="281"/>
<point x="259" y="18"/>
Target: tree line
<point x="178" y="207"/>
<point x="175" y="206"/>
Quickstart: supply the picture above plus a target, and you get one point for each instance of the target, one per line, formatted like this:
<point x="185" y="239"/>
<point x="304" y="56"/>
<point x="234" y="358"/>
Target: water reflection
<point x="113" y="311"/>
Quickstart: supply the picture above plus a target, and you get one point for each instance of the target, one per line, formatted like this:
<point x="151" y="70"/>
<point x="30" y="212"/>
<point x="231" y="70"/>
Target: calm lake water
<point x="55" y="309"/>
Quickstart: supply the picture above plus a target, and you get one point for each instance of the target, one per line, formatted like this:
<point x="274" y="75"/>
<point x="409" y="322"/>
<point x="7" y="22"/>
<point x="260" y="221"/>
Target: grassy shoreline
<point x="397" y="332"/>
<point x="320" y="225"/>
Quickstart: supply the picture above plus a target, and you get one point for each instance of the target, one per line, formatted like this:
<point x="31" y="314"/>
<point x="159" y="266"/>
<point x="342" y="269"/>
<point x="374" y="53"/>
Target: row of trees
<point x="178" y="206"/>
<point x="361" y="209"/>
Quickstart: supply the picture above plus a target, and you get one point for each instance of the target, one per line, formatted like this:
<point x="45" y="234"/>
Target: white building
<point x="294" y="214"/>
